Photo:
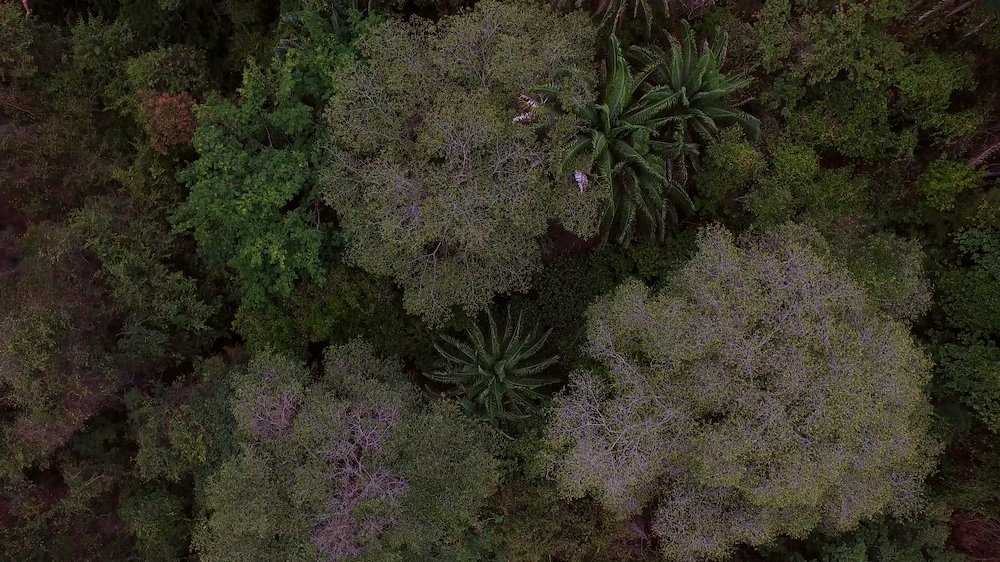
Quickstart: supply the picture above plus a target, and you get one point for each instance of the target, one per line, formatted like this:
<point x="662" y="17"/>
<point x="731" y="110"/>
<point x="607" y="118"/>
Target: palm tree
<point x="692" y="77"/>
<point x="615" y="14"/>
<point x="614" y="143"/>
<point x="496" y="374"/>
<point x="648" y="128"/>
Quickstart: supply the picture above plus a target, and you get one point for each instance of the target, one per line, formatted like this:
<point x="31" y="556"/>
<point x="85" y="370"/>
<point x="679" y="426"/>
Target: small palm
<point x="495" y="372"/>
<point x="693" y="78"/>
<point x="648" y="129"/>
<point x="617" y="11"/>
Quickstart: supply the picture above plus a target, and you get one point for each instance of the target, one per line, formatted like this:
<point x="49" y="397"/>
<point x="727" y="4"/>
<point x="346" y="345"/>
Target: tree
<point x="17" y="61"/>
<point x="89" y="302"/>
<point x="253" y="208"/>
<point x="757" y="394"/>
<point x="970" y="289"/>
<point x="351" y="466"/>
<point x="844" y="81"/>
<point x="435" y="182"/>
<point x="969" y="298"/>
<point x="943" y="181"/>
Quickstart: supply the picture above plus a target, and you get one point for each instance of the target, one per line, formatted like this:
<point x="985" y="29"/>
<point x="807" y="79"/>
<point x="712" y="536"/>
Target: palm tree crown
<point x="647" y="128"/>
<point x="495" y="372"/>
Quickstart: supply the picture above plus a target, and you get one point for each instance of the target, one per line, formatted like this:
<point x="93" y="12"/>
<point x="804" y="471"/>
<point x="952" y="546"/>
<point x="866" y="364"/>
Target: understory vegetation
<point x="500" y="280"/>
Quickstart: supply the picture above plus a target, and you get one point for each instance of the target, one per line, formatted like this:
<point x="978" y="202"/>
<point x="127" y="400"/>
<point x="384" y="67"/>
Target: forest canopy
<point x="500" y="280"/>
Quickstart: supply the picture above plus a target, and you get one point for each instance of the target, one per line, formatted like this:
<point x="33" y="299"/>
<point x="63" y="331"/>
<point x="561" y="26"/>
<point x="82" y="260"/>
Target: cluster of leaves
<point x="496" y="374"/>
<point x="838" y="66"/>
<point x="648" y="128"/>
<point x="59" y="364"/>
<point x="253" y="205"/>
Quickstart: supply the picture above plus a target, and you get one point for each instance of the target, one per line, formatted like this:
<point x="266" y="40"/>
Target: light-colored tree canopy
<point x="351" y="467"/>
<point x="435" y="182"/>
<point x="759" y="393"/>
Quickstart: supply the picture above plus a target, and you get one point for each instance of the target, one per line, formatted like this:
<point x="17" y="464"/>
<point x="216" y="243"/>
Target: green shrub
<point x="924" y="538"/>
<point x="157" y="520"/>
<point x="567" y="286"/>
<point x="890" y="269"/>
<point x="186" y="430"/>
<point x="17" y="58"/>
<point x="796" y="187"/>
<point x="845" y="81"/>
<point x="972" y="374"/>
<point x="928" y="85"/>
<point x="730" y="165"/>
<point x="362" y="305"/>
<point x="944" y="180"/>
<point x="172" y="69"/>
<point x="970" y="289"/>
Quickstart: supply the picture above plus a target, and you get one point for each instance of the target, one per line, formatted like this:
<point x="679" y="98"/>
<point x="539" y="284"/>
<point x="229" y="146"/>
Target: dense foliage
<point x="756" y="394"/>
<point x="345" y="466"/>
<point x="434" y="183"/>
<point x="500" y="280"/>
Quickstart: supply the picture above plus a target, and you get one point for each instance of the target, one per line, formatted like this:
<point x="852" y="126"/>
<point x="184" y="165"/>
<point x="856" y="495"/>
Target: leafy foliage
<point x="836" y="94"/>
<point x="350" y="465"/>
<point x="648" y="128"/>
<point x="615" y="13"/>
<point x="164" y="395"/>
<point x="757" y="394"/>
<point x="972" y="373"/>
<point x="496" y="374"/>
<point x="969" y="294"/>
<point x="693" y="75"/>
<point x="944" y="180"/>
<point x="363" y="305"/>
<point x="156" y="519"/>
<point x="17" y="60"/>
<point x="252" y="205"/>
<point x="58" y="365"/>
<point x="434" y="185"/>
<point x="729" y="167"/>
<point x="615" y="144"/>
<point x="890" y="269"/>
<point x="796" y="186"/>
<point x="919" y="539"/>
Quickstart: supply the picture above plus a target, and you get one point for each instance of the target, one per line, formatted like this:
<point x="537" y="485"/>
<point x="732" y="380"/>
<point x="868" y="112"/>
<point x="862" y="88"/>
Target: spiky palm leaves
<point x="495" y="372"/>
<point x="616" y="12"/>
<point x="617" y="142"/>
<point x="692" y="78"/>
<point x="648" y="128"/>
